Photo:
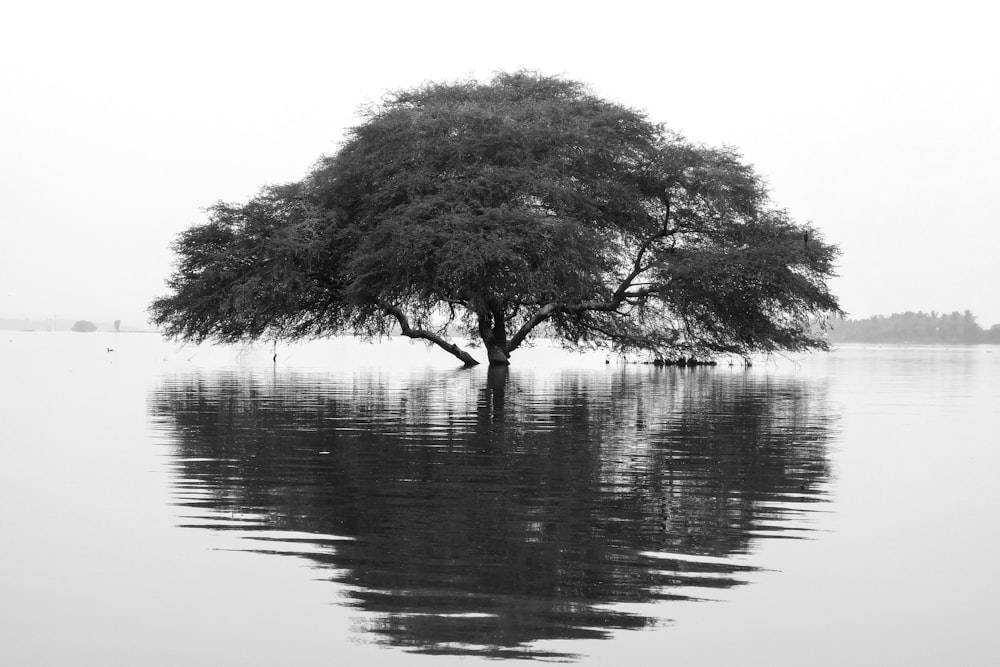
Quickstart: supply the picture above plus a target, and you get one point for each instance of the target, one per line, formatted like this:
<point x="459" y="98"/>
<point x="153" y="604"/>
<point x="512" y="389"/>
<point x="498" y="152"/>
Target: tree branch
<point x="621" y="295"/>
<point x="636" y="341"/>
<point x="542" y="314"/>
<point x="408" y="331"/>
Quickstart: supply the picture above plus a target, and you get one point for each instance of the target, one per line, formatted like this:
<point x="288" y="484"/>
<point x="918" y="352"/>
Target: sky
<point x="878" y="122"/>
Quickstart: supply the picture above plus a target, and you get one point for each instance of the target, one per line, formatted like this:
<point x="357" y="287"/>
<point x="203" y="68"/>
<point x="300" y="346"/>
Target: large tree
<point x="500" y="209"/>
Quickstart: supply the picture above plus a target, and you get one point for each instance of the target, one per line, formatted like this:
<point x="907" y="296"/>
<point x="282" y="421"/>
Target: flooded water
<point x="357" y="504"/>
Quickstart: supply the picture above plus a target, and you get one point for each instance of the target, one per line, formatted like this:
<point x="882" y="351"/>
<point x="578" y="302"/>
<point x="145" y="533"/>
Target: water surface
<point x="164" y="504"/>
<point x="479" y="513"/>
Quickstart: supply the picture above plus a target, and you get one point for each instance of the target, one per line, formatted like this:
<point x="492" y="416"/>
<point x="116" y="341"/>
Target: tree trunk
<point x="497" y="354"/>
<point x="493" y="331"/>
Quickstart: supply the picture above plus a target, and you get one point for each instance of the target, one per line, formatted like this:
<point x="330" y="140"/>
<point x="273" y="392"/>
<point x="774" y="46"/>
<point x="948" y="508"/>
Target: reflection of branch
<point x="424" y="334"/>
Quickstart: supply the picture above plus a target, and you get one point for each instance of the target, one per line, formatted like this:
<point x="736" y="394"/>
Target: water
<point x="166" y="504"/>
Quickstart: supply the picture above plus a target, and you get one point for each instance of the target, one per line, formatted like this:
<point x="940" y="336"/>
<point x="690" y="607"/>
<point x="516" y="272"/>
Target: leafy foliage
<point x="499" y="207"/>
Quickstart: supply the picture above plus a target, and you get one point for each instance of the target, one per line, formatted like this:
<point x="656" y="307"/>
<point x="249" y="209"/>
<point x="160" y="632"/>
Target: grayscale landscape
<point x="437" y="333"/>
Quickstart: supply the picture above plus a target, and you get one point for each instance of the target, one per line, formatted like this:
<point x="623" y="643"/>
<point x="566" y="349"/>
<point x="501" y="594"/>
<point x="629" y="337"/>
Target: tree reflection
<point x="485" y="515"/>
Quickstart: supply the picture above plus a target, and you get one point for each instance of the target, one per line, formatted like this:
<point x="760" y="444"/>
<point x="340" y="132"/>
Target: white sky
<point x="120" y="122"/>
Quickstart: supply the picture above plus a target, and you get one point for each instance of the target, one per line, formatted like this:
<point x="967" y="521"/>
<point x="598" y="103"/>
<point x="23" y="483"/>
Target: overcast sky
<point x="120" y="122"/>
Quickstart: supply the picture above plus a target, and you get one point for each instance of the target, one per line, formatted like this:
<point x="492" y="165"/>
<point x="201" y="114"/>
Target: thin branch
<point x="620" y="296"/>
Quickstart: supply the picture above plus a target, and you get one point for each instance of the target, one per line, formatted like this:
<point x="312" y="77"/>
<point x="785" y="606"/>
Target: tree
<point x="493" y="209"/>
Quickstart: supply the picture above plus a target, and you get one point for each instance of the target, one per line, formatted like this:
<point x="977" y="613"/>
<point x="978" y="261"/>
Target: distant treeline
<point x="37" y="324"/>
<point x="919" y="327"/>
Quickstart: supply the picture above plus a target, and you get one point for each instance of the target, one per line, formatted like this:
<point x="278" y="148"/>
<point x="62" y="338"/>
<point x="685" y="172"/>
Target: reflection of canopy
<point x="487" y="515"/>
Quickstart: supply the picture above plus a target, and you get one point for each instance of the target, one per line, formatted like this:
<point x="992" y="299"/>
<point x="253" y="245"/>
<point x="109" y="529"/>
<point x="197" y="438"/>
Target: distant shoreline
<point x="834" y="344"/>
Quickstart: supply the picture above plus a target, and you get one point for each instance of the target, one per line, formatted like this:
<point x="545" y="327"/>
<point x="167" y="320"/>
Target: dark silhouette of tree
<point x="492" y="209"/>
<point x="476" y="519"/>
<point x="84" y="326"/>
<point x="911" y="327"/>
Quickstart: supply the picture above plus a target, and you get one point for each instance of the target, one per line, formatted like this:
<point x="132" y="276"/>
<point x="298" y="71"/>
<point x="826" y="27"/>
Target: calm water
<point x="350" y="504"/>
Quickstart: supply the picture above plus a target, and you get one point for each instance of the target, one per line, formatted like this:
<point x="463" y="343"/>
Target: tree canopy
<point x="495" y="210"/>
